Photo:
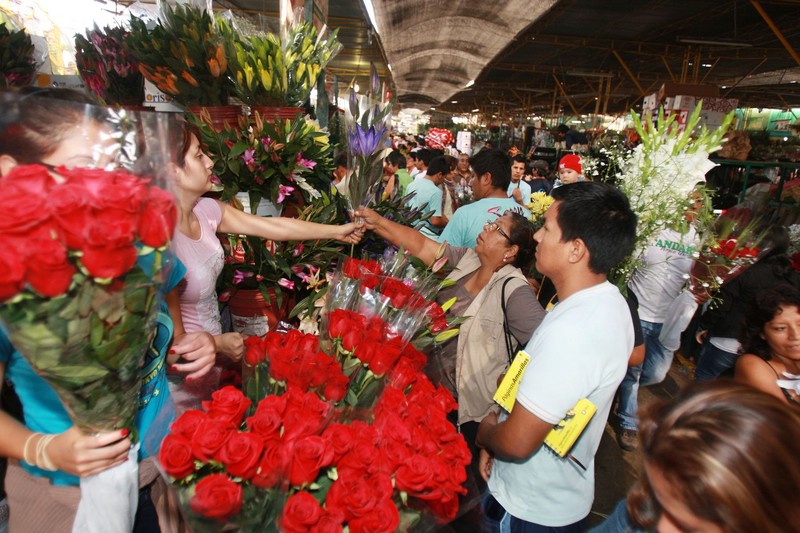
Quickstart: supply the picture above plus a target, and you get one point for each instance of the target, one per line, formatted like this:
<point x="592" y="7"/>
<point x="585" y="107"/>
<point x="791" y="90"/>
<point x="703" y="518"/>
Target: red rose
<point x="301" y="512"/>
<point x="121" y="191"/>
<point x="272" y="466"/>
<point x="273" y="403"/>
<point x="310" y="455"/>
<point x="176" y="456"/>
<point x="187" y="423"/>
<point x="265" y="423"/>
<point x="217" y="497"/>
<point x="159" y="217"/>
<point x="11" y="272"/>
<point x="329" y="522"/>
<point x="241" y="453"/>
<point x="362" y="458"/>
<point x="35" y="180"/>
<point x="209" y="438"/>
<point x="338" y="323"/>
<point x="19" y="211"/>
<point x="228" y="404"/>
<point x="255" y="352"/>
<point x="366" y="350"/>
<point x="385" y="357"/>
<point x="341" y="438"/>
<point x="309" y="344"/>
<point x="291" y="339"/>
<point x="351" y="339"/>
<point x="68" y="203"/>
<point x="272" y="340"/>
<point x="353" y="497"/>
<point x="305" y="415"/>
<point x="392" y="429"/>
<point x="384" y="518"/>
<point x="108" y="250"/>
<point x="336" y="387"/>
<point x="47" y="269"/>
<point x="415" y="476"/>
<point x="352" y="268"/>
<point x="414" y="357"/>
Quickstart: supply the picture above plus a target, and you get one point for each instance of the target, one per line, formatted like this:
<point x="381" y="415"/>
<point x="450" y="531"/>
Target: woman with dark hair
<point x="721" y="457"/>
<point x="197" y="246"/>
<point x="720" y="325"/>
<point x="491" y="289"/>
<point x="771" y="343"/>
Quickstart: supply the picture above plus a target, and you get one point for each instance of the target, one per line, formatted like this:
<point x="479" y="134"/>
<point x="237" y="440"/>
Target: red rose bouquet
<point x="732" y="249"/>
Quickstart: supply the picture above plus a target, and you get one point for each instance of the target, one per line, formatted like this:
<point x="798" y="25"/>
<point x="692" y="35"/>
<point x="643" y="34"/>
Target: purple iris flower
<point x="362" y="142"/>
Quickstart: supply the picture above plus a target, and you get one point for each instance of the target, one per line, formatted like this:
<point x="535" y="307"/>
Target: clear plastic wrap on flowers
<point x="87" y="218"/>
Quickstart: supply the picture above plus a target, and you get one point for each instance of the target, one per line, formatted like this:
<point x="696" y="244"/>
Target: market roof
<point x="575" y="56"/>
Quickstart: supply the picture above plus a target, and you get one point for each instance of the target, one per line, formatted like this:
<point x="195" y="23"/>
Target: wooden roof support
<point x="776" y="31"/>
<point x="566" y="96"/>
<point x="628" y="71"/>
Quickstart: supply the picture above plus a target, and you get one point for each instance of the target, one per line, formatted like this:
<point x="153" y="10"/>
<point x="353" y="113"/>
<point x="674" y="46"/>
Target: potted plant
<point x="107" y="68"/>
<point x="184" y="55"/>
<point x="17" y="62"/>
<point x="274" y="71"/>
<point x="270" y="160"/>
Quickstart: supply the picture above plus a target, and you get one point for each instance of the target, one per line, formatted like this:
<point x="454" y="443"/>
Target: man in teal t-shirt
<point x="492" y="175"/>
<point x="428" y="196"/>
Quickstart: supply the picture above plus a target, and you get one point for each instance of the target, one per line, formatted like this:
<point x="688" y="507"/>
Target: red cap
<point x="571" y="161"/>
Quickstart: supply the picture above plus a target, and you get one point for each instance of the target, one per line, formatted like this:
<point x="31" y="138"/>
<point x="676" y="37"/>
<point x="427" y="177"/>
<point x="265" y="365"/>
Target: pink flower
<point x="305" y="163"/>
<point x="248" y="158"/>
<point x="240" y="276"/>
<point x="266" y="141"/>
<point x="299" y="250"/>
<point x="286" y="284"/>
<point x="283" y="192"/>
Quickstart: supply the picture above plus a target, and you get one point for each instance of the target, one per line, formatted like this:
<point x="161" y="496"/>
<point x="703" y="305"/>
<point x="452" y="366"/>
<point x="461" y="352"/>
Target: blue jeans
<point x="617" y="522"/>
<point x="657" y="361"/>
<point x="713" y="362"/>
<point x="497" y="520"/>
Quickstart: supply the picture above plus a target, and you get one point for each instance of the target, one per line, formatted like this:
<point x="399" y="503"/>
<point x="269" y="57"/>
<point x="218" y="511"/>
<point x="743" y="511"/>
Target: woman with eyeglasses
<point x="491" y="289"/>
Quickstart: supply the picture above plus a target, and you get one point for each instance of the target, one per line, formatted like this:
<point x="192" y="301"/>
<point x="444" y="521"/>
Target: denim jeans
<point x="713" y="362"/>
<point x="497" y="520"/>
<point x="617" y="522"/>
<point x="657" y="361"/>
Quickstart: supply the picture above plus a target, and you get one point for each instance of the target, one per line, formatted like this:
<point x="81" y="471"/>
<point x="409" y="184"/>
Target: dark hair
<point x="562" y="128"/>
<point x="521" y="234"/>
<point x="729" y="452"/>
<point x="34" y="121"/>
<point x="185" y="143"/>
<point x="425" y="156"/>
<point x="496" y="163"/>
<point x="451" y="161"/>
<point x="396" y="159"/>
<point x="436" y="152"/>
<point x="340" y="161"/>
<point x="600" y="215"/>
<point x="763" y="308"/>
<point x="519" y="158"/>
<point x="438" y="165"/>
<point x="777" y="241"/>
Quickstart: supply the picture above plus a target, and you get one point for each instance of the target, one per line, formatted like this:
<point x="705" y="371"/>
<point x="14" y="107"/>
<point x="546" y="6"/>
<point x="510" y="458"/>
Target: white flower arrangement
<point x="660" y="175"/>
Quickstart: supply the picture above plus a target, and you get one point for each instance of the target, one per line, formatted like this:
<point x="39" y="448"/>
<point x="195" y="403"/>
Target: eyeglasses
<point x="492" y="226"/>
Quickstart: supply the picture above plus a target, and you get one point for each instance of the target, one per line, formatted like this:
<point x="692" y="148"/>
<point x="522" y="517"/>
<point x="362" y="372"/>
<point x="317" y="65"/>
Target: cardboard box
<point x="674" y="89"/>
<point x="684" y="101"/>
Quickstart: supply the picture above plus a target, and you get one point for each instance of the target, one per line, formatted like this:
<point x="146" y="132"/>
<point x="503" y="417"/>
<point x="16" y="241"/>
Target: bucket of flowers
<point x="17" y="59"/>
<point x="107" y="68"/>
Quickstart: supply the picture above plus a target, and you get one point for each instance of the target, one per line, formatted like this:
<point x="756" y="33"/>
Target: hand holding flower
<point x="83" y="455"/>
<point x="198" y="349"/>
<point x="370" y="217"/>
<point x="351" y="233"/>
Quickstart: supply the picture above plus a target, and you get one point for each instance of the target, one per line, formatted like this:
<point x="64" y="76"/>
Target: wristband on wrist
<point x="29" y="460"/>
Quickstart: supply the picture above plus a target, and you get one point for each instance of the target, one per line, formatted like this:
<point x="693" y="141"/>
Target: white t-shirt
<point x="667" y="263"/>
<point x="580" y="350"/>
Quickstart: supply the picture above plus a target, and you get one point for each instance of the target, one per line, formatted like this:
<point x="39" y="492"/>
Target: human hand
<point x="517" y="195"/>
<point x="487" y="424"/>
<point x="79" y="454"/>
<point x="351" y="232"/>
<point x="700" y="336"/>
<point x="199" y="350"/>
<point x="485" y="463"/>
<point x="231" y="345"/>
<point x="371" y="218"/>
